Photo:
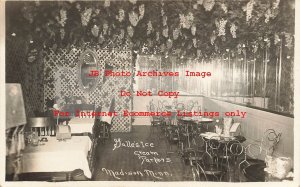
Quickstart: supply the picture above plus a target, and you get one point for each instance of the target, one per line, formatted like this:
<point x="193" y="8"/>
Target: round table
<point x="189" y="123"/>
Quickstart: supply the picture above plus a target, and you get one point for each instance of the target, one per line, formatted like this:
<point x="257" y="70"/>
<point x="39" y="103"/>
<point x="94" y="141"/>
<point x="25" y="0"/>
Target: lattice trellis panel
<point x="29" y="74"/>
<point x="61" y="82"/>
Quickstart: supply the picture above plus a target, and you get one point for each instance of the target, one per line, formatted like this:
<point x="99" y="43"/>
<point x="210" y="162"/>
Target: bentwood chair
<point x="173" y="139"/>
<point x="231" y="153"/>
<point x="164" y="105"/>
<point x="255" y="152"/>
<point x="190" y="105"/>
<point x="101" y="130"/>
<point x="156" y="121"/>
<point x="211" y="169"/>
<point x="42" y="126"/>
<point x="195" y="160"/>
<point x="180" y="106"/>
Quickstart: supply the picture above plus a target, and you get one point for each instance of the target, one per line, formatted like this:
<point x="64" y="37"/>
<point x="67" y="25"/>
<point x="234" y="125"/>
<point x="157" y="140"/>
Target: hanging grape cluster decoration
<point x="249" y="9"/>
<point x="173" y="26"/>
<point x="149" y="28"/>
<point x="121" y="16"/>
<point x="208" y="4"/>
<point x="86" y="16"/>
<point x="63" y="17"/>
<point x="233" y="30"/>
<point x="186" y="21"/>
<point x="221" y="27"/>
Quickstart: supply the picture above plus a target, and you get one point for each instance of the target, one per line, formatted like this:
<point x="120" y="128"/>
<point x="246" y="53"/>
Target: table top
<point x="215" y="136"/>
<point x="58" y="156"/>
<point x="75" y="143"/>
<point x="197" y="120"/>
<point x="81" y="125"/>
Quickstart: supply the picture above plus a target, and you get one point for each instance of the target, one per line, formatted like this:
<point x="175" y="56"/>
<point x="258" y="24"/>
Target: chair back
<point x="152" y="107"/>
<point x="42" y="126"/>
<point x="227" y="125"/>
<point x="269" y="141"/>
<point x="101" y="129"/>
<point x="166" y="104"/>
<point x="235" y="148"/>
<point x="190" y="105"/>
<point x="211" y="167"/>
<point x="180" y="106"/>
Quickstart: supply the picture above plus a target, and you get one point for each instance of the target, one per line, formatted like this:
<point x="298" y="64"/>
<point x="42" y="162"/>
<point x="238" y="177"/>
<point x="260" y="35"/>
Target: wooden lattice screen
<point x="61" y="81"/>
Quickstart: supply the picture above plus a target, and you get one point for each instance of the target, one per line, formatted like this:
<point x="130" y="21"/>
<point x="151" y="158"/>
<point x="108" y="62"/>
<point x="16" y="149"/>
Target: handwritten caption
<point x="143" y="156"/>
<point x="144" y="153"/>
<point x="146" y="172"/>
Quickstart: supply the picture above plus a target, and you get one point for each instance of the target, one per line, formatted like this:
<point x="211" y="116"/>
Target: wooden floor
<point x="123" y="163"/>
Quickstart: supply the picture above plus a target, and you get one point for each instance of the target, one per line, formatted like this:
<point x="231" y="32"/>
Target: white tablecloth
<point x="215" y="136"/>
<point x="210" y="135"/>
<point x="197" y="119"/>
<point x="57" y="156"/>
<point x="81" y="125"/>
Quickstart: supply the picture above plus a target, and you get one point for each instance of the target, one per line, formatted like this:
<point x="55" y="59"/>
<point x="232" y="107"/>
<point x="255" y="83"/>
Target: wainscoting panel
<point x="257" y="122"/>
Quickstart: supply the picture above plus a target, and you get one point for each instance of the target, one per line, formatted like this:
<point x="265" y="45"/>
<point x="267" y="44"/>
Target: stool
<point x="78" y="175"/>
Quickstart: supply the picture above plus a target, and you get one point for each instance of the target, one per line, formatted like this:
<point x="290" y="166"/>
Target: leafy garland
<point x="198" y="29"/>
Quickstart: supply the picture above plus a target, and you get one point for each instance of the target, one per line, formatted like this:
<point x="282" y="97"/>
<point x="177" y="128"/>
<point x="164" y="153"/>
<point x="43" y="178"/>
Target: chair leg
<point x="194" y="172"/>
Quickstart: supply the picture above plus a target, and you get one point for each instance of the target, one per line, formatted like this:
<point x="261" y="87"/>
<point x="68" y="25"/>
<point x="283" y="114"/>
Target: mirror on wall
<point x="88" y="62"/>
<point x="256" y="80"/>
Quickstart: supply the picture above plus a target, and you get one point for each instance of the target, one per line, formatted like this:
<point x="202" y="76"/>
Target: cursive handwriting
<point x="129" y="144"/>
<point x="153" y="160"/>
<point x="145" y="172"/>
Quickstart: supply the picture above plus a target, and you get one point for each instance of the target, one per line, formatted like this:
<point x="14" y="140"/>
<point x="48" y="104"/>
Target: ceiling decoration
<point x="201" y="28"/>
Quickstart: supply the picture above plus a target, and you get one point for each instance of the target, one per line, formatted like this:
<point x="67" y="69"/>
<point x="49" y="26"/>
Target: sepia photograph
<point x="150" y="90"/>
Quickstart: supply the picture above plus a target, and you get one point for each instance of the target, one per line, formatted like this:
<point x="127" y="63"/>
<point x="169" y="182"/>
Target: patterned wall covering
<point x="61" y="81"/>
<point x="29" y="74"/>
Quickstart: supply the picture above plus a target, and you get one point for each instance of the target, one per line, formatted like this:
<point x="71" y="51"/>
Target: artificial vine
<point x="198" y="29"/>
